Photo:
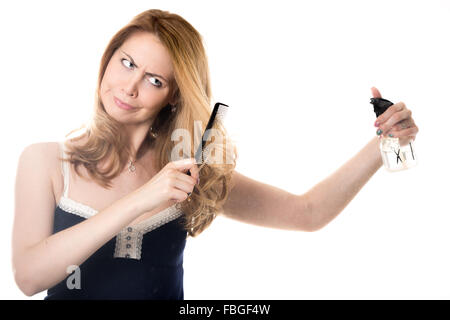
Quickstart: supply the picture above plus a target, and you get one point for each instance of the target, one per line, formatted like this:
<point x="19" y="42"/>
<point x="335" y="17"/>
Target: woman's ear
<point x="173" y="101"/>
<point x="175" y="97"/>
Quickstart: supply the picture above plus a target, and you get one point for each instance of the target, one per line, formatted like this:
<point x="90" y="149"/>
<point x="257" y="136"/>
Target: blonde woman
<point x="106" y="215"/>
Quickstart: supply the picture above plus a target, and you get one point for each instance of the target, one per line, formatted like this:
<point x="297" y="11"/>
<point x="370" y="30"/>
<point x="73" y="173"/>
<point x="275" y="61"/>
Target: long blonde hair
<point x="105" y="138"/>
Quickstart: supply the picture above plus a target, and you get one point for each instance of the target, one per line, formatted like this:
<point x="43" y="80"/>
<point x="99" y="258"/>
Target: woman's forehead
<point x="148" y="53"/>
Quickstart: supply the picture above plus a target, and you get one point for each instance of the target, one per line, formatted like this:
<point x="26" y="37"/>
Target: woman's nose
<point x="131" y="87"/>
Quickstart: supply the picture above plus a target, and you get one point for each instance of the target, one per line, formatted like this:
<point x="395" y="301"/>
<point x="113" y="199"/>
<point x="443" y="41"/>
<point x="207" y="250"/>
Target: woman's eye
<point x="125" y="62"/>
<point x="155" y="82"/>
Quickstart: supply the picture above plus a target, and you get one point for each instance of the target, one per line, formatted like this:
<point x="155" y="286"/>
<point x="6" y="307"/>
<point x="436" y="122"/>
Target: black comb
<point x="218" y="114"/>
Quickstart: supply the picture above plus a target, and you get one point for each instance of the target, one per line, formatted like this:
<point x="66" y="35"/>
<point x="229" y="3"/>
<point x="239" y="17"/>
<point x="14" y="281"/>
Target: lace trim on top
<point x="129" y="239"/>
<point x="77" y="208"/>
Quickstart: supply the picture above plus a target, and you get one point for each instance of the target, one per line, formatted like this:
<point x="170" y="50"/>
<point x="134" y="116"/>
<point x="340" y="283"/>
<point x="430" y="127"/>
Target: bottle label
<point x="396" y="157"/>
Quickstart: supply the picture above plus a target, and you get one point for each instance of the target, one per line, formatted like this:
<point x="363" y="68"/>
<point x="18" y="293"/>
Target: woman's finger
<point x="382" y="118"/>
<point x="394" y="118"/>
<point x="183" y="164"/>
<point x="186" y="178"/>
<point x="375" y="92"/>
<point x="404" y="124"/>
<point x="195" y="172"/>
<point x="182" y="185"/>
<point x="412" y="131"/>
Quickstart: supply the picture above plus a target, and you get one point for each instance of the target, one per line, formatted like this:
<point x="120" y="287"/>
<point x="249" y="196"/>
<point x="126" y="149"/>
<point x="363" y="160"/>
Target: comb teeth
<point x="221" y="113"/>
<point x="218" y="114"/>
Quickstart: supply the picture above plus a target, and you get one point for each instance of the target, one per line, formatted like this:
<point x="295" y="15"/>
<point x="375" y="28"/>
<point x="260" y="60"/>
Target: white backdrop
<point x="297" y="75"/>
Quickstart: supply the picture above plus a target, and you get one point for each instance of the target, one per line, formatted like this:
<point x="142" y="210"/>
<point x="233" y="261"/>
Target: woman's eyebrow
<point x="147" y="73"/>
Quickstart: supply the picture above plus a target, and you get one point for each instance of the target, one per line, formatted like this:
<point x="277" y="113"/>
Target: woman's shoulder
<point x="47" y="149"/>
<point x="44" y="155"/>
<point x="41" y="150"/>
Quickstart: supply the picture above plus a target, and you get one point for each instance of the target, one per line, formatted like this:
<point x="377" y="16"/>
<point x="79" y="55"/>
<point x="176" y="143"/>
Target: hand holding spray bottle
<point x="395" y="157"/>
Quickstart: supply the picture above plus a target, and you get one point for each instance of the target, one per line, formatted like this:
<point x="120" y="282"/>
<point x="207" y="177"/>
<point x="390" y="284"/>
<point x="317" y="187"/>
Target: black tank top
<point x="144" y="261"/>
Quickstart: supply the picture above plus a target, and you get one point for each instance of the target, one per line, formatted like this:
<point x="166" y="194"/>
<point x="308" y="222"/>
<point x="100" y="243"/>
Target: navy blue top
<point x="158" y="274"/>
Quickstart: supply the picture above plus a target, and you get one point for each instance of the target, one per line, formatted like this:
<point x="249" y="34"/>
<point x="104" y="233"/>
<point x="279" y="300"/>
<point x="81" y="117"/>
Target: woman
<point x="107" y="214"/>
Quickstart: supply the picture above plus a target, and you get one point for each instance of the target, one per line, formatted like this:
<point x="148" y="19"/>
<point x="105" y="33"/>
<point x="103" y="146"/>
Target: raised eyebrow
<point x="147" y="73"/>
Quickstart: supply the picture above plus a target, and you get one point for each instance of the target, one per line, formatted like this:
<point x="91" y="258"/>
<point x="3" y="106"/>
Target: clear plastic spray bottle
<point x="395" y="157"/>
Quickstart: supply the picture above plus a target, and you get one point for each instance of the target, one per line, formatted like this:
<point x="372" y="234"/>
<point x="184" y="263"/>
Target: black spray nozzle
<point x="380" y="105"/>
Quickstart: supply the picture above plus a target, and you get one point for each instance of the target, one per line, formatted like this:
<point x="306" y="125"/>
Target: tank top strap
<point x="65" y="169"/>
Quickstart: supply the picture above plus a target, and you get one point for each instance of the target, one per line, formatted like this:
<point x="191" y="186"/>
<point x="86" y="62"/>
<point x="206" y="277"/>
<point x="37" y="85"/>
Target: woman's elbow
<point x="309" y="220"/>
<point x="25" y="282"/>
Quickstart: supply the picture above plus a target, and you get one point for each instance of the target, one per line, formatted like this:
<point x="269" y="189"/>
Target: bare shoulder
<point x="45" y="157"/>
<point x="42" y="153"/>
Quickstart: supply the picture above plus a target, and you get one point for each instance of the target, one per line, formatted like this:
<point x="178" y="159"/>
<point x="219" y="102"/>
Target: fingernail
<point x="391" y="135"/>
<point x="379" y="131"/>
<point x="376" y="124"/>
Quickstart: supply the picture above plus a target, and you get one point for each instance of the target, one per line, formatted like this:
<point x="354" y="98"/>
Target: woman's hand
<point x="396" y="122"/>
<point x="170" y="184"/>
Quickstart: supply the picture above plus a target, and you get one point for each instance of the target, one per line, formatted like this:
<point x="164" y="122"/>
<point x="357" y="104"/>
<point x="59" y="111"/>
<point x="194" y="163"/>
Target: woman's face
<point x="140" y="74"/>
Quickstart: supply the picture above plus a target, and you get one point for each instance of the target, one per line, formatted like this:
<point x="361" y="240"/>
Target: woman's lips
<point x="123" y="105"/>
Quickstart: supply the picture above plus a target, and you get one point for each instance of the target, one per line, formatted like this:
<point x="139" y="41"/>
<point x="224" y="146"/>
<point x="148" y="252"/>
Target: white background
<point x="297" y="75"/>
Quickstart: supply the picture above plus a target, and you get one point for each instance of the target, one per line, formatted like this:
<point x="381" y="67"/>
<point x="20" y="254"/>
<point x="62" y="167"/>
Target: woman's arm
<point x="40" y="259"/>
<point x="330" y="196"/>
<point x="257" y="203"/>
<point x="261" y="204"/>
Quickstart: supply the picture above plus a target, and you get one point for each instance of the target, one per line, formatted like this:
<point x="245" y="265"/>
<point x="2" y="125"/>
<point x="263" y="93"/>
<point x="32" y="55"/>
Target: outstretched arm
<point x="330" y="196"/>
<point x="257" y="203"/>
<point x="261" y="204"/>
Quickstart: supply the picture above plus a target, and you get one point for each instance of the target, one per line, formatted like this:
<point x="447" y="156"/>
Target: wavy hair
<point x="105" y="138"/>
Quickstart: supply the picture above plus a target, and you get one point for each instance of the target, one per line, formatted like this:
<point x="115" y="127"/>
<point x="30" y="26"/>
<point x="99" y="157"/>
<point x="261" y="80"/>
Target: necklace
<point x="131" y="167"/>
